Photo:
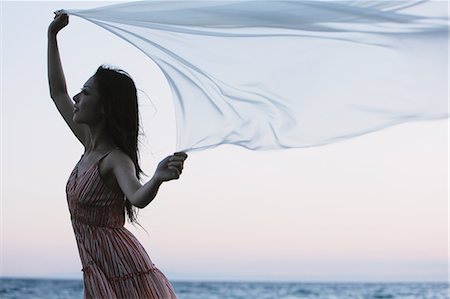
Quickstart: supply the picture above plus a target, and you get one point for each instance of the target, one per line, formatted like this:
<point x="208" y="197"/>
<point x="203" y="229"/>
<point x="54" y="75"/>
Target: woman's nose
<point x="76" y="98"/>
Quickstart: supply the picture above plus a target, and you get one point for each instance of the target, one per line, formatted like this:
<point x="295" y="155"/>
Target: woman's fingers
<point x="60" y="21"/>
<point x="176" y="158"/>
<point x="174" y="165"/>
<point x="181" y="154"/>
<point x="177" y="161"/>
<point x="177" y="167"/>
<point x="175" y="172"/>
<point x="177" y="164"/>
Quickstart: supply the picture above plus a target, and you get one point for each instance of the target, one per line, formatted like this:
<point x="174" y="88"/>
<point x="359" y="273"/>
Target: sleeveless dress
<point x="115" y="265"/>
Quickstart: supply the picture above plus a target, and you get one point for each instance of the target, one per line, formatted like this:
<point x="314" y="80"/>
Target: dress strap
<point x="106" y="154"/>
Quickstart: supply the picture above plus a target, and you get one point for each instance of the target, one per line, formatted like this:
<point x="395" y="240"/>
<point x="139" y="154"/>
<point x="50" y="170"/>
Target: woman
<point x="105" y="182"/>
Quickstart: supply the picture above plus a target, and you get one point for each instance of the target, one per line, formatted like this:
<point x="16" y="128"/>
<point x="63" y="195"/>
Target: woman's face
<point x="87" y="107"/>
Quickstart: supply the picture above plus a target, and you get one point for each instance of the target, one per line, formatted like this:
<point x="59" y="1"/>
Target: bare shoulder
<point x="118" y="160"/>
<point x="120" y="173"/>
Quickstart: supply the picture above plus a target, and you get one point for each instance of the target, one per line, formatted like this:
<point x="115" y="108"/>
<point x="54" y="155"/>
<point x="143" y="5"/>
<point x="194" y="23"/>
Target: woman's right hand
<point x="59" y="22"/>
<point x="171" y="167"/>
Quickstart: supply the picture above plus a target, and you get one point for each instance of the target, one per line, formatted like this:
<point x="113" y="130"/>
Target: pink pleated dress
<point x="115" y="265"/>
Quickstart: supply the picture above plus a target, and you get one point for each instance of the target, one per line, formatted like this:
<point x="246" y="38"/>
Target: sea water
<point x="58" y="288"/>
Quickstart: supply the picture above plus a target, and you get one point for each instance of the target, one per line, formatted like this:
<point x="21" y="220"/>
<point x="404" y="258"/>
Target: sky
<point x="371" y="208"/>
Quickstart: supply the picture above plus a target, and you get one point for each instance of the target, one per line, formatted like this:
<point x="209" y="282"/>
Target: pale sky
<point x="372" y="208"/>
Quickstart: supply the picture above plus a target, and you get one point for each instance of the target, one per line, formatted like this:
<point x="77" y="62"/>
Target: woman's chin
<point x="75" y="119"/>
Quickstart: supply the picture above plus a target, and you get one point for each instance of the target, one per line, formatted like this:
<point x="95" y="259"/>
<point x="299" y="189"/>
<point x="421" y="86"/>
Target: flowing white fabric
<point x="281" y="74"/>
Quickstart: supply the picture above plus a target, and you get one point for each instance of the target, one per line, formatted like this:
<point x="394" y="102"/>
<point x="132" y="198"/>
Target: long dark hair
<point x="118" y="96"/>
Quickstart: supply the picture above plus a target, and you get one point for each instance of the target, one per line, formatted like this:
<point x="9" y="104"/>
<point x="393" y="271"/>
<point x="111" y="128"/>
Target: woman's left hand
<point x="171" y="167"/>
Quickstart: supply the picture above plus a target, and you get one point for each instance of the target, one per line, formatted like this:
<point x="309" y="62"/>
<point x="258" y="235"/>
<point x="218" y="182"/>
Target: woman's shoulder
<point x="116" y="161"/>
<point x="117" y="157"/>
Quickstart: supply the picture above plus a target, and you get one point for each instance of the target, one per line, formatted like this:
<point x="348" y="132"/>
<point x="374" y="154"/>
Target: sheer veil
<point x="281" y="74"/>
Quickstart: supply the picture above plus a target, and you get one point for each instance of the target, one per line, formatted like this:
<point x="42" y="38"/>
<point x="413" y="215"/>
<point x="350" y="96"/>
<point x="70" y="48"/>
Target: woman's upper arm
<point x="65" y="107"/>
<point x="125" y="173"/>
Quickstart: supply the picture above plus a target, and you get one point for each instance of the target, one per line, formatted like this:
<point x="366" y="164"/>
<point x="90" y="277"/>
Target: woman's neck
<point x="99" y="139"/>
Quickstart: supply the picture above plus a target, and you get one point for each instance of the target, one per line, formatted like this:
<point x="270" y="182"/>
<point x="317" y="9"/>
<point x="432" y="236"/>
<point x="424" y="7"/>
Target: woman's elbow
<point x="140" y="204"/>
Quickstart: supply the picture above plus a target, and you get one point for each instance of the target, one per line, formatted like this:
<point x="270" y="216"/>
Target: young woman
<point x="105" y="182"/>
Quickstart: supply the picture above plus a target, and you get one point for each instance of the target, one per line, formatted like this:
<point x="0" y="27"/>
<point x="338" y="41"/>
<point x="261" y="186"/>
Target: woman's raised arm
<point x="56" y="79"/>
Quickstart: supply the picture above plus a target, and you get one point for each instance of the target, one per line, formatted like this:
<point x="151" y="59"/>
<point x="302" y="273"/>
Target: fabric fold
<point x="282" y="74"/>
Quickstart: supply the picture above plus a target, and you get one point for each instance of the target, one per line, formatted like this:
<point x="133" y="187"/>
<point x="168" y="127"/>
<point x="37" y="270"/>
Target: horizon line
<point x="260" y="281"/>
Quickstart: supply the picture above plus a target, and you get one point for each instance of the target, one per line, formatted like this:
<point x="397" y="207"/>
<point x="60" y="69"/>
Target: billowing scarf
<point x="270" y="74"/>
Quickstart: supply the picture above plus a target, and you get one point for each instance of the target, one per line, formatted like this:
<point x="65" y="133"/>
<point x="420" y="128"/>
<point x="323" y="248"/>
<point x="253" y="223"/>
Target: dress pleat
<point x="115" y="265"/>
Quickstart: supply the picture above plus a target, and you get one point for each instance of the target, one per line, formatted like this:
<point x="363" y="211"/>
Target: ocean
<point x="58" y="289"/>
